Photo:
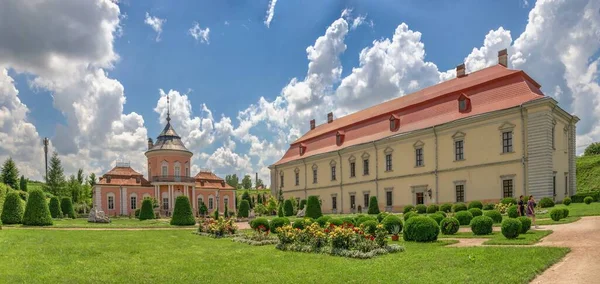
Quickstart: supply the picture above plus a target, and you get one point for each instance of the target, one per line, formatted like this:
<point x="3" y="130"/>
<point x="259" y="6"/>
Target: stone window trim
<point x="507" y="177"/>
<point x="297" y="170"/>
<point x="352" y="159"/>
<point x="419" y="145"/>
<point x="388" y="150"/>
<point x="386" y="190"/>
<point x="133" y="200"/>
<point x="459" y="136"/>
<point x="365" y="158"/>
<point x="418" y="189"/>
<point x="164" y="166"/>
<point x="464" y="184"/>
<point x="211" y="202"/>
<point x="507" y="127"/>
<point x="352" y="194"/>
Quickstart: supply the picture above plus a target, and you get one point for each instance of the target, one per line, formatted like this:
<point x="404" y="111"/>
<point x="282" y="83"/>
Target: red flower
<point x="372" y="238"/>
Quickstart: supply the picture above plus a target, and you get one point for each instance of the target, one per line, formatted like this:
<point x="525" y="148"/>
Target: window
<point x="554" y="185"/>
<point x="566" y="184"/>
<point x="334" y="202"/>
<point x="507" y="144"/>
<point x="226" y="201"/>
<point x="366" y="167"/>
<point x="366" y="196"/>
<point x="165" y="203"/>
<point x="460" y="192"/>
<point x="420" y="198"/>
<point x="187" y="172"/>
<point x="388" y="162"/>
<point x="394" y="122"/>
<point x="507" y="188"/>
<point x="281" y="179"/>
<point x="164" y="171"/>
<point x="332" y="172"/>
<point x="463" y="103"/>
<point x="553" y="135"/>
<point x="388" y="198"/>
<point x="352" y="201"/>
<point x="177" y="171"/>
<point x="210" y="203"/>
<point x="200" y="200"/>
<point x="133" y="202"/>
<point x="352" y="169"/>
<point x="111" y="203"/>
<point x="419" y="157"/>
<point x="314" y="175"/>
<point x="297" y="178"/>
<point x="138" y="180"/>
<point x="458" y="150"/>
<point x="108" y="179"/>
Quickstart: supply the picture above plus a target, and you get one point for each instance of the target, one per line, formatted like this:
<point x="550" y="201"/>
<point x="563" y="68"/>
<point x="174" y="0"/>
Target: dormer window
<point x="107" y="179"/>
<point x="464" y="103"/>
<point x="339" y="137"/>
<point x="302" y="149"/>
<point x="137" y="180"/>
<point x="394" y="122"/>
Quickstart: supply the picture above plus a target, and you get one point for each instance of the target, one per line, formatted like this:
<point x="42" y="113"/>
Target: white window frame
<point x="132" y="203"/>
<point x="110" y="201"/>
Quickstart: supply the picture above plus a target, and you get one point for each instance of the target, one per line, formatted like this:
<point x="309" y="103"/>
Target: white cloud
<point x="199" y="34"/>
<point x="270" y="13"/>
<point x="156" y="24"/>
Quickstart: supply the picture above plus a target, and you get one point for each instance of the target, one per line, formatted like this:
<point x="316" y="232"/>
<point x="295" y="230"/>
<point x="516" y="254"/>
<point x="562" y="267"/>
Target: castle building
<point x="482" y="136"/>
<point x="121" y="190"/>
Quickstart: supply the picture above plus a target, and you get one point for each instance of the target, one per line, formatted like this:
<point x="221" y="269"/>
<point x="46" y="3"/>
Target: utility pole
<point x="46" y="140"/>
<point x="256" y="181"/>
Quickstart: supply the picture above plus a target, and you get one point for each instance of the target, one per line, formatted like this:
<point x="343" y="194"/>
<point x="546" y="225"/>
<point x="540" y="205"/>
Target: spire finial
<point x="168" y="109"/>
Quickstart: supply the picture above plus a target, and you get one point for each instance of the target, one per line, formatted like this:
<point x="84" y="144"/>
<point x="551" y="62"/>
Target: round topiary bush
<point x="409" y="215"/>
<point x="66" y="206"/>
<point x="382" y="216"/>
<point x="348" y="221"/>
<point x="36" y="211"/>
<point x="546" y="202"/>
<point x="313" y="207"/>
<point x="288" y="208"/>
<point x="567" y="201"/>
<point x="147" y="212"/>
<point x="183" y="214"/>
<point x="588" y="200"/>
<point x="475" y="211"/>
<point x="476" y="204"/>
<point x="446" y="207"/>
<point x="373" y="206"/>
<point x="482" y="225"/>
<point x="278" y="222"/>
<point x="525" y="224"/>
<point x="495" y="215"/>
<point x="556" y="214"/>
<point x="421" y="229"/>
<point x="449" y="226"/>
<point x="421" y="209"/>
<point x="323" y="220"/>
<point x="432" y="208"/>
<point x="441" y="213"/>
<point x="363" y="219"/>
<point x="513" y="211"/>
<point x="464" y="217"/>
<point x="489" y="206"/>
<point x="390" y="221"/>
<point x="511" y="228"/>
<point x="302" y="223"/>
<point x="565" y="212"/>
<point x="509" y="200"/>
<point x="437" y="217"/>
<point x="12" y="212"/>
<point x="54" y="207"/>
<point x="336" y="221"/>
<point x="369" y="226"/>
<point x="459" y="207"/>
<point x="258" y="222"/>
<point x="408" y="208"/>
<point x="244" y="208"/>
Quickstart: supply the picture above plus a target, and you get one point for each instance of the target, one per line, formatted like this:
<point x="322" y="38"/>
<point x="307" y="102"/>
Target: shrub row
<point x="580" y="196"/>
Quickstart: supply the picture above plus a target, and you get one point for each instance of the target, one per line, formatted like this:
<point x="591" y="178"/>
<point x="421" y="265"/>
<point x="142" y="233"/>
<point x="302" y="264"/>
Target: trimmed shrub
<point x="421" y="209"/>
<point x="263" y="222"/>
<point x="437" y="217"/>
<point x="495" y="215"/>
<point x="363" y="219"/>
<point x="336" y="221"/>
<point x="408" y="208"/>
<point x="450" y="226"/>
<point x="36" y="211"/>
<point x="244" y="208"/>
<point x="370" y="226"/>
<point x="278" y="223"/>
<point x="348" y="221"/>
<point x="511" y="228"/>
<point x="588" y="200"/>
<point x="580" y="196"/>
<point x="446" y="207"/>
<point x="567" y="201"/>
<point x="476" y="204"/>
<point x="475" y="211"/>
<point x="525" y="224"/>
<point x="313" y="207"/>
<point x="442" y="213"/>
<point x="565" y="212"/>
<point x="432" y="208"/>
<point x="546" y="202"/>
<point x="556" y="214"/>
<point x="12" y="213"/>
<point x="302" y="204"/>
<point x="464" y="217"/>
<point x="298" y="224"/>
<point x="216" y="214"/>
<point x="288" y="208"/>
<point x="147" y="212"/>
<point x="54" y="207"/>
<point x="183" y="214"/>
<point x="489" y="206"/>
<point x="513" y="211"/>
<point x="136" y="213"/>
<point x="410" y="215"/>
<point x="279" y="209"/>
<point x="509" y="200"/>
<point x="459" y="207"/>
<point x="66" y="206"/>
<point x="421" y="229"/>
<point x="323" y="220"/>
<point x="390" y="221"/>
<point x="373" y="206"/>
<point x="482" y="225"/>
<point x="382" y="216"/>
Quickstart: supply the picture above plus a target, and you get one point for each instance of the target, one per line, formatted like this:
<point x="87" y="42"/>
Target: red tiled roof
<point x="490" y="89"/>
<point x="123" y="176"/>
<point x="208" y="180"/>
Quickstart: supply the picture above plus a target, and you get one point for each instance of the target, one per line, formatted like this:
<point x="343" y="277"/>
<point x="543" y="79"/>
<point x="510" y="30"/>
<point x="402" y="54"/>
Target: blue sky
<point x="243" y="60"/>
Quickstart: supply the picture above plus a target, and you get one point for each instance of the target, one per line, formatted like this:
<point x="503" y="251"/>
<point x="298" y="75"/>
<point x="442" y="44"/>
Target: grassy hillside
<point x="588" y="173"/>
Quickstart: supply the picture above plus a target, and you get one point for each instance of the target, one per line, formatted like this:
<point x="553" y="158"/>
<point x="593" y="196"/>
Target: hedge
<point x="313" y="207"/>
<point x="446" y="207"/>
<point x="432" y="208"/>
<point x="513" y="211"/>
<point x="36" y="211"/>
<point x="525" y="224"/>
<point x="336" y="221"/>
<point x="588" y="200"/>
<point x="66" y="206"/>
<point x="449" y="226"/>
<point x="567" y="201"/>
<point x="437" y="217"/>
<point x="278" y="222"/>
<point x="288" y="208"/>
<point x="348" y="221"/>
<point x="183" y="214"/>
<point x="556" y="214"/>
<point x="54" y="207"/>
<point x="12" y="212"/>
<point x="262" y="221"/>
<point x="370" y="226"/>
<point x="323" y="220"/>
<point x="409" y="215"/>
<point x="147" y="212"/>
<point x="421" y="229"/>
<point x="511" y="228"/>
<point x="495" y="215"/>
<point x="546" y="202"/>
<point x="244" y="208"/>
<point x="476" y="204"/>
<point x="464" y="217"/>
<point x="482" y="225"/>
<point x="459" y="207"/>
<point x="509" y="200"/>
<point x="408" y="208"/>
<point x="373" y="206"/>
<point x="475" y="211"/>
<point x="421" y="209"/>
<point x="578" y="198"/>
<point x="390" y="221"/>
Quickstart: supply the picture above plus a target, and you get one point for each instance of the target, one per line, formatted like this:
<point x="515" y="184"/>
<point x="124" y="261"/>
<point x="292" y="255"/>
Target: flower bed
<point x="221" y="228"/>
<point x="256" y="239"/>
<point x="345" y="240"/>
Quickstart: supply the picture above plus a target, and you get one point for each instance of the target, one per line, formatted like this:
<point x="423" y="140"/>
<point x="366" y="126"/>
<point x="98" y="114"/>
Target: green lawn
<point x="38" y="256"/>
<point x="575" y="210"/>
<point x="115" y="223"/>
<point x="548" y="221"/>
<point x="496" y="238"/>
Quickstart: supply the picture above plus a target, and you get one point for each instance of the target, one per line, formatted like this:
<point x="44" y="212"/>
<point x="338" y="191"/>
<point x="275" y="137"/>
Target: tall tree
<point x="23" y="183"/>
<point x="10" y="174"/>
<point x="232" y="180"/>
<point x="74" y="188"/>
<point x="247" y="182"/>
<point x="92" y="179"/>
<point x="80" y="176"/>
<point x="592" y="149"/>
<point x="56" y="176"/>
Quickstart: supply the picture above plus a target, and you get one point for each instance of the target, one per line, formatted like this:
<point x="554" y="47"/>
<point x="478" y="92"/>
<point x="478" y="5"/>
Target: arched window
<point x="133" y="201"/>
<point x="200" y="199"/>
<point x="177" y="169"/>
<point x="211" y="203"/>
<point x="226" y="201"/>
<point x="165" y="168"/>
<point x="110" y="201"/>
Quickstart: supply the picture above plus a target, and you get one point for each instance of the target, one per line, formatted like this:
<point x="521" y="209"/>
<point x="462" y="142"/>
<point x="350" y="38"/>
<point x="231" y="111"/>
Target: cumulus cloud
<point x="199" y="34"/>
<point x="156" y="24"/>
<point x="270" y="13"/>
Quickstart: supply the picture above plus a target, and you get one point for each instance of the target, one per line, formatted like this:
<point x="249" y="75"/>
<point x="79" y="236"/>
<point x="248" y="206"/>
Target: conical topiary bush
<point x="12" y="213"/>
<point x="36" y="211"/>
<point x="66" y="206"/>
<point x="183" y="214"/>
<point x="54" y="206"/>
<point x="147" y="212"/>
<point x="288" y="208"/>
<point x="373" y="206"/>
<point x="313" y="207"/>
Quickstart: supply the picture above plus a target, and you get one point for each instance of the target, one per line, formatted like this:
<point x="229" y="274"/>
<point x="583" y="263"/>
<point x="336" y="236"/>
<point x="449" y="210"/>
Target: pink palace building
<point x="121" y="190"/>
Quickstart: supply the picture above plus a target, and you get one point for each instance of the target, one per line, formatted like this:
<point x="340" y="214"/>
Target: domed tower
<point x="169" y="167"/>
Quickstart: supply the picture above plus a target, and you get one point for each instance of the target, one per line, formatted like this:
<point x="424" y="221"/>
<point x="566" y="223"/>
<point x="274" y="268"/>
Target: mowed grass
<point x="115" y="223"/>
<point x="176" y="256"/>
<point x="496" y="238"/>
<point x="575" y="210"/>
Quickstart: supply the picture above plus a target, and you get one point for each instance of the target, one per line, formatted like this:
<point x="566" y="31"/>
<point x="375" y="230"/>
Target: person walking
<point x="521" y="206"/>
<point x="531" y="210"/>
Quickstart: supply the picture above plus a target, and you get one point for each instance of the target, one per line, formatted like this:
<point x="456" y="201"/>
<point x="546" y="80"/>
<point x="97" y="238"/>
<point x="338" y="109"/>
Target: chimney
<point x="460" y="71"/>
<point x="330" y="117"/>
<point x="503" y="57"/>
<point x="150" y="143"/>
<point x="312" y="124"/>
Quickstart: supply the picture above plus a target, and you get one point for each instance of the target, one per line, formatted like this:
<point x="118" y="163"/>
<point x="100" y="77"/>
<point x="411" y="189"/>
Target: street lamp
<point x="46" y="140"/>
